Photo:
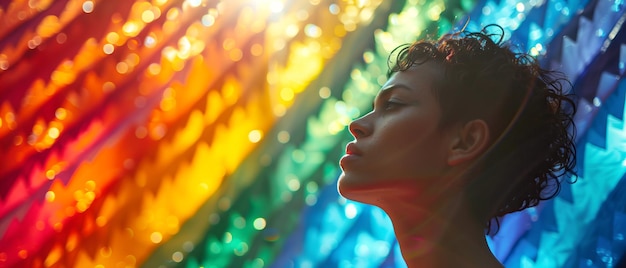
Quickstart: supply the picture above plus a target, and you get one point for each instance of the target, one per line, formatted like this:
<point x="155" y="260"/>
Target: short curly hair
<point x="526" y="108"/>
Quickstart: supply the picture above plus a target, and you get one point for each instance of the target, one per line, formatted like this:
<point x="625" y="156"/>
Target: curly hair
<point x="525" y="107"/>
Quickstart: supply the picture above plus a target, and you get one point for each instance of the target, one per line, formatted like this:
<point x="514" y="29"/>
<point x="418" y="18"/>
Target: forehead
<point x="418" y="78"/>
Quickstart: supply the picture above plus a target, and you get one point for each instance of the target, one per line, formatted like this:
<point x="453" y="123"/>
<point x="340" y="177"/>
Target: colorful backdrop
<point x="204" y="133"/>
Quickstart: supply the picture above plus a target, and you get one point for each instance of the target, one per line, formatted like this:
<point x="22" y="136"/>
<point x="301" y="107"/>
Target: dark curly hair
<point x="525" y="107"/>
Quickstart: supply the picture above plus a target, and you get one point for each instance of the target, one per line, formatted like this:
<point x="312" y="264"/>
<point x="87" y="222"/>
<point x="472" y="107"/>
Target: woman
<point x="464" y="131"/>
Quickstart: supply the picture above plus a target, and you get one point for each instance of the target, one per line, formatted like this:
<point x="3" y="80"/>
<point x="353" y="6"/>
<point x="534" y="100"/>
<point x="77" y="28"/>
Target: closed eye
<point x="388" y="105"/>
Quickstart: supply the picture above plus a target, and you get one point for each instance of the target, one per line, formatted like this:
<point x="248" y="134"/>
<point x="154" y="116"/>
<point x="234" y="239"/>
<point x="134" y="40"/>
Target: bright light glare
<point x="194" y="3"/>
<point x="276" y="6"/>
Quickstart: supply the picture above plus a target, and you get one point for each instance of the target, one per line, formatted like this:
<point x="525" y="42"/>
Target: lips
<point x="352" y="156"/>
<point x="351" y="149"/>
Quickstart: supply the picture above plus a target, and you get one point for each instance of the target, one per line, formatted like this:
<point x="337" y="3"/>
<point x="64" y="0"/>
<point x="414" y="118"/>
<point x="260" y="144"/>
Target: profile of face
<point x="399" y="145"/>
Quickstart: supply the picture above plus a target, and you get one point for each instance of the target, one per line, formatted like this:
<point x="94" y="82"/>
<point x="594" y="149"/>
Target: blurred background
<point x="204" y="133"/>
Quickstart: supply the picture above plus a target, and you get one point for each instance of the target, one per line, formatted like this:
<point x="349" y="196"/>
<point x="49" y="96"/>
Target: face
<point x="400" y="142"/>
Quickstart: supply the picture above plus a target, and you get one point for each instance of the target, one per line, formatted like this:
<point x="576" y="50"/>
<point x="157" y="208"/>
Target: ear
<point x="469" y="143"/>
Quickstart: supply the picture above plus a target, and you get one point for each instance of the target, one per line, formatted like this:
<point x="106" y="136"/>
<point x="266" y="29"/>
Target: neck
<point x="443" y="234"/>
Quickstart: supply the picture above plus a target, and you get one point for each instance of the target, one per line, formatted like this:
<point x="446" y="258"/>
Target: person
<point x="464" y="131"/>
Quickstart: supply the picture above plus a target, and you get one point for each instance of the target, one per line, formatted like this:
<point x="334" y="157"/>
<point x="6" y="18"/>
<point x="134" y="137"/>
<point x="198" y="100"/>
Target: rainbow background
<point x="205" y="133"/>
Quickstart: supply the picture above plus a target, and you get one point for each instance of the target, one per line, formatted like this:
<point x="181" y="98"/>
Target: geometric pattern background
<point x="206" y="133"/>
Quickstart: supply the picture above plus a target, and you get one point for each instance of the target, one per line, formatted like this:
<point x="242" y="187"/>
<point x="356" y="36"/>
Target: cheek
<point x="410" y="136"/>
<point x="416" y="150"/>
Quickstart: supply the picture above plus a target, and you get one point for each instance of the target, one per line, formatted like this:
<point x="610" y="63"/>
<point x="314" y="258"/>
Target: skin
<point x="404" y="162"/>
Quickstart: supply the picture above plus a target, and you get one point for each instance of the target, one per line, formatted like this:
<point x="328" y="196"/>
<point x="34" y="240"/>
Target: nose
<point x="360" y="127"/>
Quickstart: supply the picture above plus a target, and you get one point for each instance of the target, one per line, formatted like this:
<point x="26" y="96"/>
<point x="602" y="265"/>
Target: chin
<point x="347" y="186"/>
<point x="355" y="189"/>
<point x="373" y="190"/>
<point x="341" y="185"/>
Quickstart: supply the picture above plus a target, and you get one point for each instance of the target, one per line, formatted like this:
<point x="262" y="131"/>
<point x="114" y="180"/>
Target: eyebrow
<point x="390" y="89"/>
<point x="394" y="86"/>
